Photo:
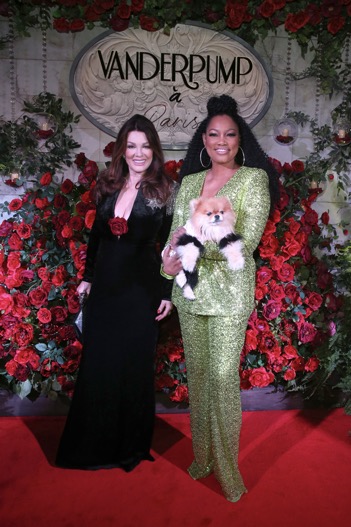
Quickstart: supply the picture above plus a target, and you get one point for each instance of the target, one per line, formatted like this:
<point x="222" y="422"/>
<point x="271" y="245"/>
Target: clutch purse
<point x="78" y="321"/>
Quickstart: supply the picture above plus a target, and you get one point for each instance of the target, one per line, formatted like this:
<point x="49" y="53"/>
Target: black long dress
<point x="111" y="417"/>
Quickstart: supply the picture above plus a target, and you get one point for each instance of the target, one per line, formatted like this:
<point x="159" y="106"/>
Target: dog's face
<point x="212" y="218"/>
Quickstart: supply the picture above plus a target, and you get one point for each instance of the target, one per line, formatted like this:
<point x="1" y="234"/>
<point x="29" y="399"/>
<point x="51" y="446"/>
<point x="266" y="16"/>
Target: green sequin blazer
<point x="221" y="291"/>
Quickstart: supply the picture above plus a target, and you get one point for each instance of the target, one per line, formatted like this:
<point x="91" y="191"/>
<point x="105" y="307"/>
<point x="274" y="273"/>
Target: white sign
<point x="167" y="78"/>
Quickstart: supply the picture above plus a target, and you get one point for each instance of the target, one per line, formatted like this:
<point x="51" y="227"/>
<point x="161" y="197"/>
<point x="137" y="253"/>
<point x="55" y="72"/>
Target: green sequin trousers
<point x="212" y="347"/>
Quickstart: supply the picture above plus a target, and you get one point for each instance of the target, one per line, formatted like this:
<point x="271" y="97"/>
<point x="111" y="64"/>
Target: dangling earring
<point x="202" y="163"/>
<point x="243" y="156"/>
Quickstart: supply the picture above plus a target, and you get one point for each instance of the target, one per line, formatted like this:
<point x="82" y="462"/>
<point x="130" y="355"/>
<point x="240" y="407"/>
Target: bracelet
<point x="165" y="275"/>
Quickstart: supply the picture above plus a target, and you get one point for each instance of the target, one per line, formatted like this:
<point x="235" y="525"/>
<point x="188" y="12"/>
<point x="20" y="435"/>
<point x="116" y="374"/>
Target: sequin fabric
<point x="213" y="328"/>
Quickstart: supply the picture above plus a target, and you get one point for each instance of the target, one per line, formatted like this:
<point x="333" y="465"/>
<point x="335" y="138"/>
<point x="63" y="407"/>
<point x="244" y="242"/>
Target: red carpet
<point x="296" y="465"/>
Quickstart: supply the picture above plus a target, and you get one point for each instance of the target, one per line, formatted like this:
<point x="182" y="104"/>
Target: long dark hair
<point x="155" y="183"/>
<point x="254" y="155"/>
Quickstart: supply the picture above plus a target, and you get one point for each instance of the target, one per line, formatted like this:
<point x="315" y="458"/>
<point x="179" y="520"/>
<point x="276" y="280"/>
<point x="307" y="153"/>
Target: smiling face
<point x="138" y="154"/>
<point x="222" y="140"/>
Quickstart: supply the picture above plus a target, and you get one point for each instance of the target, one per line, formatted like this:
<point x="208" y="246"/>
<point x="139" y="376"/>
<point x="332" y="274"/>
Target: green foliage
<point x="33" y="155"/>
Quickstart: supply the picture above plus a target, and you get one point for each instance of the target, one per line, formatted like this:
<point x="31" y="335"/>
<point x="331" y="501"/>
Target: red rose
<point x="260" y="377"/>
<point x="310" y="217"/>
<point x="59" y="313"/>
<point x="119" y="24"/>
<point x="73" y="351"/>
<point x="137" y="6"/>
<point x="268" y="247"/>
<point x="45" y="179"/>
<point x="235" y="14"/>
<point x="67" y="232"/>
<point x="180" y="394"/>
<point x="276" y="262"/>
<point x="272" y="310"/>
<point x="27" y="356"/>
<point x="24" y="230"/>
<point x="118" y="226"/>
<point x="14" y="261"/>
<point x="76" y="25"/>
<point x="314" y="300"/>
<point x="290" y="352"/>
<point x="314" y="14"/>
<point x="298" y="364"/>
<point x="297" y="166"/>
<point x="124" y="10"/>
<point x="90" y="218"/>
<point x="23" y="334"/>
<point x="283" y="199"/>
<point x="266" y="9"/>
<point x="250" y="341"/>
<point x="41" y="203"/>
<point x="289" y="375"/>
<point x="276" y="291"/>
<point x="325" y="218"/>
<point x="291" y="246"/>
<point x="61" y="25"/>
<point x="149" y="23"/>
<point x="15" y="243"/>
<point x="70" y="366"/>
<point x="306" y="332"/>
<point x="67" y="186"/>
<point x="44" y="315"/>
<point x="286" y="273"/>
<point x="6" y="303"/>
<point x="76" y="223"/>
<point x="15" y="204"/>
<point x="60" y="276"/>
<point x="312" y="364"/>
<point x="164" y="381"/>
<point x="295" y="21"/>
<point x="38" y="297"/>
<point x="48" y="367"/>
<point x="267" y="343"/>
<point x="107" y="151"/>
<point x="264" y="274"/>
<point x="11" y="367"/>
<point x="260" y="291"/>
<point x="294" y="226"/>
<point x="6" y="228"/>
<point x="80" y="160"/>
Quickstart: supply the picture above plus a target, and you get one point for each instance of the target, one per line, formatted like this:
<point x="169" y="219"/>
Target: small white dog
<point x="211" y="219"/>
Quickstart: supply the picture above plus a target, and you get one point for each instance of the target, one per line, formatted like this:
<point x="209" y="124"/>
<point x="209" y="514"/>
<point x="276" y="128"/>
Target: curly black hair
<point x="254" y="155"/>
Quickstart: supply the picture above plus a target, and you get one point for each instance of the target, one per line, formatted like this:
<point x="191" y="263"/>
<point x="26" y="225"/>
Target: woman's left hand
<point x="164" y="309"/>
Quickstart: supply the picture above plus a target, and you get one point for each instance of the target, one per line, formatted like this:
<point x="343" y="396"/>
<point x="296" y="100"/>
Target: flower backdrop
<point x="300" y="305"/>
<point x="321" y="26"/>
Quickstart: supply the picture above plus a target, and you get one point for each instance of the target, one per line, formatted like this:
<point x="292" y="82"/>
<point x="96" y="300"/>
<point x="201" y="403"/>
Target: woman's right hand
<point x="170" y="261"/>
<point x="84" y="288"/>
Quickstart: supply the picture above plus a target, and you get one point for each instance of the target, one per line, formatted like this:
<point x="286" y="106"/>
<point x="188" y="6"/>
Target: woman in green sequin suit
<point x="214" y="324"/>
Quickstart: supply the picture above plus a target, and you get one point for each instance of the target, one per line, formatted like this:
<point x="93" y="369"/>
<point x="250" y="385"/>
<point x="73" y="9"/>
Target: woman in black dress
<point x="111" y="418"/>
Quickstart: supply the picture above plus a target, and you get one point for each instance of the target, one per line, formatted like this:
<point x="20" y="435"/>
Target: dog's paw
<point x="188" y="292"/>
<point x="234" y="255"/>
<point x="181" y="279"/>
<point x="189" y="255"/>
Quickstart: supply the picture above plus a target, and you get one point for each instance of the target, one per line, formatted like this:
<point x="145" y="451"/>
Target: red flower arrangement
<point x="43" y="247"/>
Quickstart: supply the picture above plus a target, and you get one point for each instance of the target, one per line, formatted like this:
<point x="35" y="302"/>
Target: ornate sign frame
<point x="168" y="78"/>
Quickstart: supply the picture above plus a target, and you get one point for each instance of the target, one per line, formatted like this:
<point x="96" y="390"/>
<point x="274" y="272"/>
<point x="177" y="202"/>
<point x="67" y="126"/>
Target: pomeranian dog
<point x="211" y="219"/>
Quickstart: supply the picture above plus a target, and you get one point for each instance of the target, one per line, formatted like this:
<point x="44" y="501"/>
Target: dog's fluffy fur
<point x="211" y="219"/>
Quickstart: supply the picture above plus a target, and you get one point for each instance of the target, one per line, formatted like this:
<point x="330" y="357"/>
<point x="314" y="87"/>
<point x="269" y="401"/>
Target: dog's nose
<point x="217" y="217"/>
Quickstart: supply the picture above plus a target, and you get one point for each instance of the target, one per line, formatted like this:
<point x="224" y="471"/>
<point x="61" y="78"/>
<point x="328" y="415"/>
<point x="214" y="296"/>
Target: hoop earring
<point x="202" y="163"/>
<point x="243" y="156"/>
